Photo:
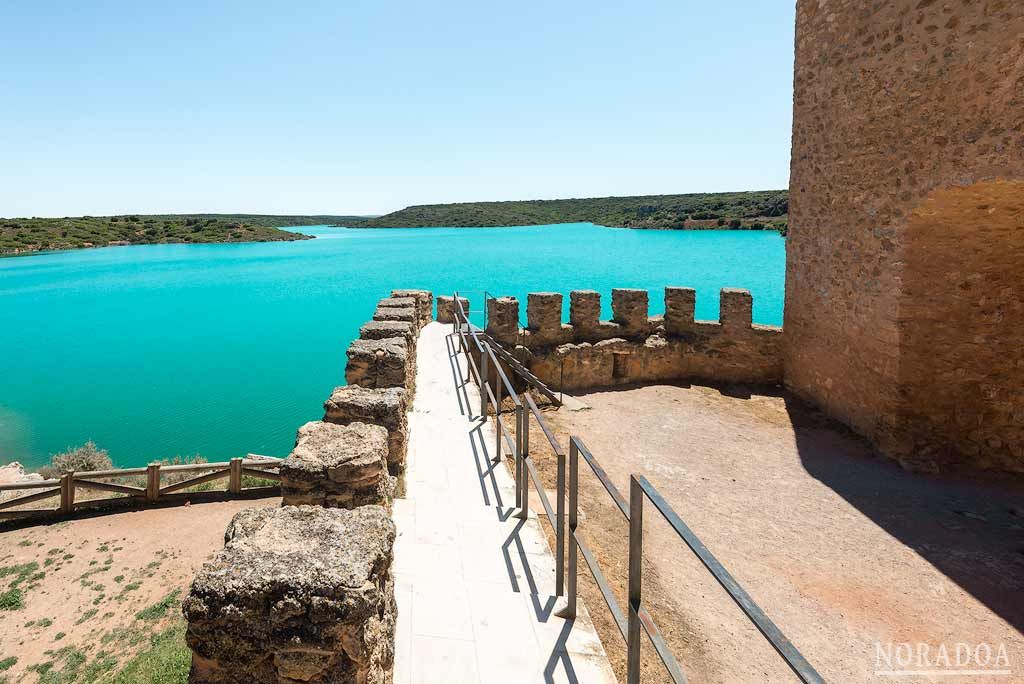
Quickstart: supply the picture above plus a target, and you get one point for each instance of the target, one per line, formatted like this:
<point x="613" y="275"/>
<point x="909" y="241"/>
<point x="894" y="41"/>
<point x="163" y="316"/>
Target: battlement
<point x="630" y="317"/>
<point x="633" y="346"/>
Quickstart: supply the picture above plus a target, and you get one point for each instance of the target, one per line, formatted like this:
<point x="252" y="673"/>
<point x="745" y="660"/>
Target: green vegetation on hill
<point x="747" y="210"/>
<point x="35" y="234"/>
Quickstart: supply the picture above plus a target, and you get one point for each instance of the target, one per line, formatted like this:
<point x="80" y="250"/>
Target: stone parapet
<point x="407" y="314"/>
<point x="385" y="407"/>
<point x="446" y="309"/>
<point x="297" y="594"/>
<point x="629" y="310"/>
<point x="503" y="319"/>
<point x="338" y="466"/>
<point x="380" y="363"/>
<point x="589" y="352"/>
<point x="381" y="330"/>
<point x="424" y="303"/>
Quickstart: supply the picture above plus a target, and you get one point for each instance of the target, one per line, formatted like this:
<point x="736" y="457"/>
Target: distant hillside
<point x="35" y="234"/>
<point x="750" y="210"/>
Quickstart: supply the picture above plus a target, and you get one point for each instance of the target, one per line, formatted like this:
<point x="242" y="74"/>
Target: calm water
<point x="163" y="350"/>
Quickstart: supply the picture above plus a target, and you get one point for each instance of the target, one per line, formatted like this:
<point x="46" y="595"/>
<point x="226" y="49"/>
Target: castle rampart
<point x="635" y="347"/>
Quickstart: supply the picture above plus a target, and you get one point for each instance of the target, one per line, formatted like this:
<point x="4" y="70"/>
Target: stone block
<point x="544" y="316"/>
<point x="446" y="309"/>
<point x="397" y="302"/>
<point x="629" y="309"/>
<point x="407" y="314"/>
<point x="424" y="303"/>
<point x="297" y="594"/>
<point x="385" y="407"/>
<point x="584" y="310"/>
<point x="379" y="363"/>
<point x="735" y="309"/>
<point x="503" y="319"/>
<point x="380" y="330"/>
<point x="338" y="466"/>
<point x="680" y="304"/>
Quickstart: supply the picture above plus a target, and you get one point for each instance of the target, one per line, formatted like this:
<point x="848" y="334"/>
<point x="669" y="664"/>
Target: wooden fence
<point x="134" y="486"/>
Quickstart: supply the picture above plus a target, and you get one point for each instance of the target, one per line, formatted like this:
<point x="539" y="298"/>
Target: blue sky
<point x="366" y="107"/>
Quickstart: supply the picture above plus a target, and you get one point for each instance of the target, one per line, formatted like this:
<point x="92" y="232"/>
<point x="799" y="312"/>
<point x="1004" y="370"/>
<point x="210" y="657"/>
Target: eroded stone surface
<point x="424" y="303"/>
<point x="405" y="313"/>
<point x="338" y="466"/>
<point x="446" y="309"/>
<point x="379" y="363"/>
<point x="298" y="594"/>
<point x="383" y="406"/>
<point x="381" y="330"/>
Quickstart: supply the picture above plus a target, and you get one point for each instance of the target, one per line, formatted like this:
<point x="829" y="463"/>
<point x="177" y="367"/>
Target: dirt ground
<point x="844" y="550"/>
<point x="87" y="593"/>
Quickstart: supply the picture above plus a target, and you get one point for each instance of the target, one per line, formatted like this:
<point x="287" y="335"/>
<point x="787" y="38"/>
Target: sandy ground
<point x="841" y="548"/>
<point x="92" y="577"/>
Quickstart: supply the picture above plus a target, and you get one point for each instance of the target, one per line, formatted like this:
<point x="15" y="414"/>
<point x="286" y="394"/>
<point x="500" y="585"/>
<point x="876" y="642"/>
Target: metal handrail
<point x="637" y="615"/>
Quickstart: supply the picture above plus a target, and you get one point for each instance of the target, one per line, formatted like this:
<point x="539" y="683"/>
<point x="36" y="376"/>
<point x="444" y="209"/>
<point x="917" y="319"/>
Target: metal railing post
<point x="523" y="483"/>
<point x="484" y="375"/>
<point x="569" y="612"/>
<point x="497" y="413"/>
<point x="636" y="549"/>
<point x="560" y="527"/>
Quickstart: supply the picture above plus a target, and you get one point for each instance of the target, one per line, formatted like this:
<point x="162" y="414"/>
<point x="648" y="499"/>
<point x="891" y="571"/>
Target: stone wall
<point x="298" y="594"/>
<point x="305" y="593"/>
<point x="589" y="353"/>
<point x="903" y="286"/>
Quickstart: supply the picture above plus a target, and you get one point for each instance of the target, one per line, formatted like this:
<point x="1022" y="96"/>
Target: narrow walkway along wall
<point x="633" y="347"/>
<point x="305" y="593"/>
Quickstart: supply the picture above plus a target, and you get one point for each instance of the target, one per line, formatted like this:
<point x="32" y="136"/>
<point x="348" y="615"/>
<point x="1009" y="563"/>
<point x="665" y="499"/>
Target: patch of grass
<point x="119" y="578"/>
<point x="166" y="661"/>
<point x="8" y="663"/>
<point x="159" y="609"/>
<point x="86" y="616"/>
<point x="99" y="599"/>
<point x="58" y="636"/>
<point x="12" y="599"/>
<point x="25" y="542"/>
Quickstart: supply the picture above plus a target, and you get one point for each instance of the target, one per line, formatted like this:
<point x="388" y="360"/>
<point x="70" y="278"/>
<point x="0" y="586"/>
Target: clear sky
<point x="353" y="107"/>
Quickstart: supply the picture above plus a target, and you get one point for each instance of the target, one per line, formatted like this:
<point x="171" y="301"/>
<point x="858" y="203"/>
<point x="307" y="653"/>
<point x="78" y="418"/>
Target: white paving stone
<point x="474" y="584"/>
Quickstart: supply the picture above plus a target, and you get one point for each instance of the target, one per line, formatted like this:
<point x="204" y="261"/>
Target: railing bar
<point x="266" y="474"/>
<point x="521" y="369"/>
<point x="189" y="467"/>
<point x="504" y="378"/>
<point x="544" y="426"/>
<point x="603" y="477"/>
<point x="778" y="640"/>
<point x="658" y="641"/>
<point x="184" y="484"/>
<point x="30" y="484"/>
<point x="30" y="498"/>
<point x="540" y="493"/>
<point x="96" y="474"/>
<point x="110" y="487"/>
<point x="602" y="584"/>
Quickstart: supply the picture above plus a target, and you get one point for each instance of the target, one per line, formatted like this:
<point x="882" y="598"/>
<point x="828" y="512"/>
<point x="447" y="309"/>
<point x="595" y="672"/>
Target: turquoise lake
<point x="221" y="350"/>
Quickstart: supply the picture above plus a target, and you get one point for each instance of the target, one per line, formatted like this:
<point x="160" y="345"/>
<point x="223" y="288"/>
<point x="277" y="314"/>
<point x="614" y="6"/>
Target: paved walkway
<point x="474" y="584"/>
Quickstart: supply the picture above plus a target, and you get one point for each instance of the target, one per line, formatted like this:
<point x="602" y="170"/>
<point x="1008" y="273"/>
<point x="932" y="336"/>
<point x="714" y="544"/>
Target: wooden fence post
<point x="152" y="482"/>
<point x="67" y="492"/>
<point x="235" y="476"/>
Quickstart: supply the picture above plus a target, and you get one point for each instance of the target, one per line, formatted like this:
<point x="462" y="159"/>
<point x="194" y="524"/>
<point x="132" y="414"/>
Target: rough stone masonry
<point x="298" y="594"/>
<point x="904" y="312"/>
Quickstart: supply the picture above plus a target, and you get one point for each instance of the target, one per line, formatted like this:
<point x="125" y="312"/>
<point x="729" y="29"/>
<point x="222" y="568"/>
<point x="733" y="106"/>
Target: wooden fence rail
<point x="141" y="486"/>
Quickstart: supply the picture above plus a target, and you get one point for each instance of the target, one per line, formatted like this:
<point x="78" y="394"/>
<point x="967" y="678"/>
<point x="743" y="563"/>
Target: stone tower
<point x="905" y="276"/>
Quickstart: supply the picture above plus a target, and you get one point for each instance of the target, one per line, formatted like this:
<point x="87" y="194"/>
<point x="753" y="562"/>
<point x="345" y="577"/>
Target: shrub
<point x="86" y="457"/>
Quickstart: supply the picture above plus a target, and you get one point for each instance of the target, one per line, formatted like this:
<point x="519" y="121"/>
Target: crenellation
<point x="629" y="309"/>
<point x="544" y="318"/>
<point x="503" y="319"/>
<point x="446" y="308"/>
<point x="736" y="309"/>
<point x="680" y="304"/>
<point x="584" y="311"/>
